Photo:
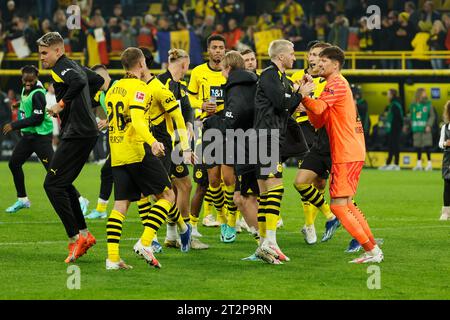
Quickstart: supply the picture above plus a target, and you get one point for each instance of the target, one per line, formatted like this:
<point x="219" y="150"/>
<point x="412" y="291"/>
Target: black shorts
<point x="147" y="177"/>
<point x="178" y="171"/>
<point x="318" y="163"/>
<point x="247" y="184"/>
<point x="308" y="132"/>
<point x="274" y="167"/>
<point x="201" y="175"/>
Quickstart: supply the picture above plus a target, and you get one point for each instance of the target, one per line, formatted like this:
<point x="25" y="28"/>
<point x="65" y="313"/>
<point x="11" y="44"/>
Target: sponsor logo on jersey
<point x="140" y="96"/>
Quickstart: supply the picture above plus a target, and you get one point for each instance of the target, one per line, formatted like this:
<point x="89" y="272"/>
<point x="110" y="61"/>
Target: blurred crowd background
<point x="405" y="25"/>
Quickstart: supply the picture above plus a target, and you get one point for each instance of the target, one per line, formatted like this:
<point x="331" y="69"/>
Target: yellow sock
<point x="207" y="203"/>
<point x="231" y="207"/>
<point x="156" y="218"/>
<point x="175" y="217"/>
<point x="272" y="208"/>
<point x="194" y="220"/>
<point x="144" y="206"/>
<point x="325" y="208"/>
<point x="238" y="215"/>
<point x="113" y="234"/>
<point x="262" y="215"/>
<point x="218" y="199"/>
<point x="310" y="212"/>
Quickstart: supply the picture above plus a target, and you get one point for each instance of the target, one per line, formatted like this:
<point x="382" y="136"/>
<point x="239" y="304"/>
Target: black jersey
<point x="75" y="85"/>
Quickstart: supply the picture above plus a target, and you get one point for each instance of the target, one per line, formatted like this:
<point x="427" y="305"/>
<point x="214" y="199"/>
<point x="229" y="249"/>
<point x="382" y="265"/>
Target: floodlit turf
<point x="402" y="207"/>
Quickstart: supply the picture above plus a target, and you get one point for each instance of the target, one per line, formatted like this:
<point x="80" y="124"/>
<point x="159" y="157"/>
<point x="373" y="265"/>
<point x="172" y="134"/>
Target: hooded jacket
<point x="239" y="92"/>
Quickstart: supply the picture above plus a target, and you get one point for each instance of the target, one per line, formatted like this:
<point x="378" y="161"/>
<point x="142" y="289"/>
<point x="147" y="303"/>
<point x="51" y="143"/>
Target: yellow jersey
<point x="126" y="142"/>
<point x="162" y="101"/>
<point x="320" y="86"/>
<point x="164" y="109"/>
<point x="204" y="84"/>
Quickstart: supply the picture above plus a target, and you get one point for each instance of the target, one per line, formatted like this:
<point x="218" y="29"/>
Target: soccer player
<point x="36" y="127"/>
<point x="177" y="68"/>
<point x="78" y="136"/>
<point x="312" y="177"/>
<point x="164" y="114"/>
<point x="276" y="99"/>
<point x="106" y="176"/>
<point x="336" y="110"/>
<point x="239" y="92"/>
<point x="206" y="93"/>
<point x="137" y="170"/>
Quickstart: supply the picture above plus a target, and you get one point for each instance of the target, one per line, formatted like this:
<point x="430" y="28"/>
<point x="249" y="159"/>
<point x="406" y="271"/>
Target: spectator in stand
<point x="175" y="14"/>
<point x="353" y="10"/>
<point x="393" y="127"/>
<point x="331" y="11"/>
<point x="163" y="24"/>
<point x="321" y="28"/>
<point x="437" y="42"/>
<point x="2" y="38"/>
<point x="207" y="29"/>
<point x="428" y="15"/>
<point x="9" y="14"/>
<point x="45" y="27"/>
<point x="420" y="45"/>
<point x="205" y="8"/>
<point x="234" y="35"/>
<point x="404" y="33"/>
<point x="220" y="29"/>
<point x="45" y="9"/>
<point x="22" y="29"/>
<point x="339" y="32"/>
<point x="149" y="30"/>
<point x="289" y="10"/>
<point x="60" y="23"/>
<point x="414" y="15"/>
<point x="366" y="43"/>
<point x="422" y="119"/>
<point x="249" y="38"/>
<point x="300" y="34"/>
<point x="265" y="22"/>
<point x="118" y="13"/>
<point x="128" y="34"/>
<point x="232" y="10"/>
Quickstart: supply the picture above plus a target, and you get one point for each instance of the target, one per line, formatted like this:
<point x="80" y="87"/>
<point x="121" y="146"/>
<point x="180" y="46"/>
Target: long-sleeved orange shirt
<point x="336" y="110"/>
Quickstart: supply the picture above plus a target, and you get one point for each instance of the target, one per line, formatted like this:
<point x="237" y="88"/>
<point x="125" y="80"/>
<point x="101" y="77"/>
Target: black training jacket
<point x="76" y="85"/>
<point x="239" y="110"/>
<point x="275" y="101"/>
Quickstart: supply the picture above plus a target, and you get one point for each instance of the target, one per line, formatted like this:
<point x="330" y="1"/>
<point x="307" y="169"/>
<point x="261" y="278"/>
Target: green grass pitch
<point x="402" y="208"/>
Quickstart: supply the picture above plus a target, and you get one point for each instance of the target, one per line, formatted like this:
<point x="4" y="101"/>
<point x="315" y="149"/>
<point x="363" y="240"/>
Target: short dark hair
<point x="247" y="51"/>
<point x="320" y="44"/>
<point x="148" y="56"/>
<point x="215" y="37"/>
<point x="99" y="66"/>
<point x="30" y="69"/>
<point x="334" y="53"/>
<point x="130" y="57"/>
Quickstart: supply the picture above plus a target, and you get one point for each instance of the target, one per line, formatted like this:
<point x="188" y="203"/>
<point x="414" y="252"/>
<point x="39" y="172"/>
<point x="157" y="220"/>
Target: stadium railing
<point x="352" y="56"/>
